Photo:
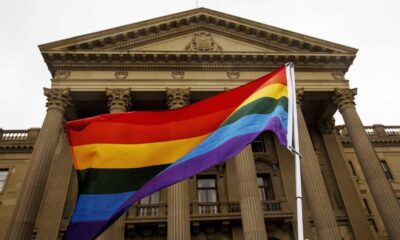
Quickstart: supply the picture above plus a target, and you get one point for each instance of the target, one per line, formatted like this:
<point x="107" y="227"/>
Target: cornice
<point x="125" y="60"/>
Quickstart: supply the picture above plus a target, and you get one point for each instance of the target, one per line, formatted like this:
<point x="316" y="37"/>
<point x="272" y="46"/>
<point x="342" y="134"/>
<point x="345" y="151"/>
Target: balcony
<point x="206" y="211"/>
<point x="378" y="134"/>
<point x="18" y="140"/>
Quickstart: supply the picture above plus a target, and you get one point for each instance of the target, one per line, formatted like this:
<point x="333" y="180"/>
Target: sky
<point x="370" y="26"/>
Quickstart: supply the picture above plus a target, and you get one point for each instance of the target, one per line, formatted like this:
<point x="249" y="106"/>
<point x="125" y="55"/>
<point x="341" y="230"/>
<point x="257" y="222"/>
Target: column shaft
<point x="25" y="213"/>
<point x="324" y="217"/>
<point x="118" y="101"/>
<point x="51" y="211"/>
<point x="178" y="227"/>
<point x="349" y="194"/>
<point x="381" y="190"/>
<point x="250" y="202"/>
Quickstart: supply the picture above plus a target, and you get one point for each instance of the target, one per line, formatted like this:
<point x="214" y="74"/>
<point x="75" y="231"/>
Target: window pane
<point x="145" y="200"/>
<point x="155" y="198"/>
<point x="260" y="181"/>
<point x="3" y="174"/>
<point x="1" y="185"/>
<point x="202" y="194"/>
<point x="206" y="183"/>
<point x="212" y="195"/>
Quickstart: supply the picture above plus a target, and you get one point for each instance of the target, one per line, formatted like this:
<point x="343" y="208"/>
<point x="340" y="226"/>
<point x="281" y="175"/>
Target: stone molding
<point x="58" y="98"/>
<point x="118" y="98"/>
<point x="177" y="97"/>
<point x="345" y="97"/>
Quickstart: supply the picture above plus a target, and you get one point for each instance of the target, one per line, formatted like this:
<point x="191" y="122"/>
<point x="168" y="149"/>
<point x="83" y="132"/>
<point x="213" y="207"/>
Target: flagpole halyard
<point x="293" y="146"/>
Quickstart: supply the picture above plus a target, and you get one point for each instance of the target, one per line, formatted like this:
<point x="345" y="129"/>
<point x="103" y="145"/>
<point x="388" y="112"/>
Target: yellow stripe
<point x="274" y="91"/>
<point x="132" y="155"/>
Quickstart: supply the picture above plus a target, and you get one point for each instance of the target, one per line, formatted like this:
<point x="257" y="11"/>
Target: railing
<point x="14" y="135"/>
<point x="148" y="211"/>
<point x="271" y="206"/>
<point x="373" y="131"/>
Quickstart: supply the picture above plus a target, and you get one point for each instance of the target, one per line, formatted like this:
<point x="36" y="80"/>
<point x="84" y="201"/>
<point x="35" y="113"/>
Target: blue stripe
<point x="97" y="207"/>
<point x="245" y="125"/>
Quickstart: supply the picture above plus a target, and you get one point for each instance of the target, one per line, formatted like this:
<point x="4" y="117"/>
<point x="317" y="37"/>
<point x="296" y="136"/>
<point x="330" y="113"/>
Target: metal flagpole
<point x="293" y="146"/>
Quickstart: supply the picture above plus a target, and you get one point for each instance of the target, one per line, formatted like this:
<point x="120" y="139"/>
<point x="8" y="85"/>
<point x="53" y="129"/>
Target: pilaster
<point x="381" y="190"/>
<point x="324" y="217"/>
<point x="178" y="194"/>
<point x="250" y="202"/>
<point x="119" y="100"/>
<point x="28" y="204"/>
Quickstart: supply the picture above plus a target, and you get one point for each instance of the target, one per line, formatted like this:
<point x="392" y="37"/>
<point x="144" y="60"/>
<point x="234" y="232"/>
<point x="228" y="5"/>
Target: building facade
<point x="350" y="173"/>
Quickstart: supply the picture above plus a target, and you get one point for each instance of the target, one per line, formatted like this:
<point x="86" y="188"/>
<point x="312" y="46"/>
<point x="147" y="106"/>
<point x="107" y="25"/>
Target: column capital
<point x="118" y="99"/>
<point x="177" y="97"/>
<point x="327" y="126"/>
<point x="344" y="97"/>
<point x="57" y="98"/>
<point x="299" y="96"/>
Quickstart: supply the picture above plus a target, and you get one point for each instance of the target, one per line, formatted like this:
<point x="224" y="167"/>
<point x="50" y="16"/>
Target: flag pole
<point x="293" y="146"/>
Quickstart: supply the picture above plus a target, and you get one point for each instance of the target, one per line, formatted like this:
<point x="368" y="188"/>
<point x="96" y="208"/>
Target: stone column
<point x="250" y="201"/>
<point x="29" y="200"/>
<point x="381" y="190"/>
<point x="118" y="100"/>
<point x="51" y="210"/>
<point x="178" y="194"/>
<point x="349" y="194"/>
<point x="286" y="165"/>
<point x="324" y="217"/>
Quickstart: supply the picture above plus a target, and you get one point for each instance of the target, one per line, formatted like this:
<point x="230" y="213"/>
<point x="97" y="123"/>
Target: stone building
<point x="350" y="173"/>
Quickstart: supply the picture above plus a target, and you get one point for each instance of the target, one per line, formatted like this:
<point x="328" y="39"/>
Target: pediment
<point x="159" y="35"/>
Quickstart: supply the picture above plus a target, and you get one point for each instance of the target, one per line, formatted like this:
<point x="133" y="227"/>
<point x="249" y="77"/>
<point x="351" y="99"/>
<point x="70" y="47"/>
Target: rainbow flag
<point x="123" y="157"/>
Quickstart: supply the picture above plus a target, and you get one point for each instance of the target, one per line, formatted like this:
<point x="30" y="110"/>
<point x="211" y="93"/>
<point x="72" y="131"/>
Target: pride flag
<point x="123" y="157"/>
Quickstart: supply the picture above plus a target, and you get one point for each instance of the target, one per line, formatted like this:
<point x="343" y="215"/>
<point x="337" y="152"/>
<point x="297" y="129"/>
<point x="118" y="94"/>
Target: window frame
<point x="8" y="169"/>
<point x="213" y="177"/>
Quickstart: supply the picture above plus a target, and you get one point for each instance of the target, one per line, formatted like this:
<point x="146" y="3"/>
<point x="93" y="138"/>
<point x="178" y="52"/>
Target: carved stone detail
<point x="327" y="127"/>
<point x="299" y="96"/>
<point x="178" y="75"/>
<point x="63" y="74"/>
<point x="338" y="75"/>
<point x="121" y="74"/>
<point x="345" y="97"/>
<point x="233" y="75"/>
<point x="178" y="97"/>
<point x="58" y="98"/>
<point x="118" y="99"/>
<point x="203" y="42"/>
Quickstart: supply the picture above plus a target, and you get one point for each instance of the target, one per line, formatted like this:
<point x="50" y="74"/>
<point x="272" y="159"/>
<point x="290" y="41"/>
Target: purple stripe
<point x="84" y="230"/>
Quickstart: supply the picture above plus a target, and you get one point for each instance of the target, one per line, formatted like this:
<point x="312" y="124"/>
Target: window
<point x="353" y="171"/>
<point x="207" y="190"/>
<point x="386" y="169"/>
<point x="258" y="144"/>
<point x="265" y="187"/>
<point x="3" y="178"/>
<point x="153" y="198"/>
<point x="207" y="195"/>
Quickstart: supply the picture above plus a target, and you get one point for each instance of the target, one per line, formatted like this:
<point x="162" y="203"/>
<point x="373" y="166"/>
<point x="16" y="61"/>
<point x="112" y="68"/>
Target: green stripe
<point x="107" y="181"/>
<point x="263" y="105"/>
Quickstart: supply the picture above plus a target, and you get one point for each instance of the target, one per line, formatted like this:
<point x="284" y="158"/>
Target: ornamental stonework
<point x="57" y="98"/>
<point x="118" y="99"/>
<point x="203" y="42"/>
<point x="299" y="96"/>
<point x="178" y="75"/>
<point x="345" y="97"/>
<point x="121" y="74"/>
<point x="327" y="127"/>
<point x="63" y="74"/>
<point x="177" y="97"/>
<point x="233" y="75"/>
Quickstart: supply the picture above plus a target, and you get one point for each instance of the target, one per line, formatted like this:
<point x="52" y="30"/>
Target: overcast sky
<point x="371" y="26"/>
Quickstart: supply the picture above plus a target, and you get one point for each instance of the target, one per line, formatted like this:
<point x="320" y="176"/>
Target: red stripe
<point x="137" y="127"/>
